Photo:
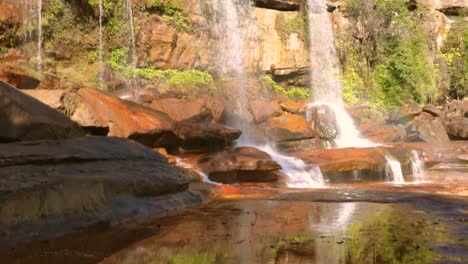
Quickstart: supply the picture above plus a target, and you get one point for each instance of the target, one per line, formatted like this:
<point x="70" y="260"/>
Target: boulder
<point x="324" y="121"/>
<point x="294" y="107"/>
<point x="428" y="128"/>
<point x="449" y="7"/>
<point x="263" y="110"/>
<point x="52" y="98"/>
<point x="457" y="127"/>
<point x="288" y="127"/>
<point x="180" y="109"/>
<point x="205" y="136"/>
<point x="381" y="132"/>
<point x="243" y="164"/>
<point x="25" y="118"/>
<point x="434" y="111"/>
<point x="456" y="108"/>
<point x="18" y="78"/>
<point x="281" y="5"/>
<point x="405" y="113"/>
<point x="131" y="120"/>
<point x="77" y="182"/>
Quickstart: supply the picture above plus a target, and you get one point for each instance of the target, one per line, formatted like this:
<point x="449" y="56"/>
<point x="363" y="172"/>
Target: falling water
<point x="39" y="35"/>
<point x="232" y="34"/>
<point x="393" y="170"/>
<point x="299" y="174"/>
<point x="325" y="74"/>
<point x="132" y="32"/>
<point x="101" y="65"/>
<point x="203" y="176"/>
<point x="417" y="167"/>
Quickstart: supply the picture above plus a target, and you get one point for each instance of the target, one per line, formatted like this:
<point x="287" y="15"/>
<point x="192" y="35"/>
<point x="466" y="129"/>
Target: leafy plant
<point x="292" y="92"/>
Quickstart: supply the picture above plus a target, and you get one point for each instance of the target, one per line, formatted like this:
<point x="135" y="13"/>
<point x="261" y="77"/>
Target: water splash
<point x="417" y="167"/>
<point x="101" y="51"/>
<point x="325" y="74"/>
<point x="393" y="170"/>
<point x="299" y="174"/>
<point x="39" y="35"/>
<point x="203" y="176"/>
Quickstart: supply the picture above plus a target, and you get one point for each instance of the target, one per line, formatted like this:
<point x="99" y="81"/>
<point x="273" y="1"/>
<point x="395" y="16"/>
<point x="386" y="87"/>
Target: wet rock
<point x="180" y="109"/>
<point x="434" y="111"/>
<point x="18" y="78"/>
<point x="205" y="137"/>
<point x="288" y="127"/>
<point x="457" y="127"/>
<point x="381" y="132"/>
<point x="428" y="128"/>
<point x="280" y="5"/>
<point x="405" y="113"/>
<point x="244" y="164"/>
<point x="263" y="110"/>
<point x="324" y="121"/>
<point x="456" y="108"/>
<point x="25" y="118"/>
<point x="294" y="107"/>
<point x="52" y="98"/>
<point x="131" y="120"/>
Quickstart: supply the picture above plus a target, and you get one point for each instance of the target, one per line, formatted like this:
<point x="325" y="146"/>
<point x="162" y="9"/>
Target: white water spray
<point x="101" y="65"/>
<point x="417" y="167"/>
<point x="203" y="176"/>
<point x="39" y="35"/>
<point x="325" y="74"/>
<point x="299" y="174"/>
<point x="393" y="170"/>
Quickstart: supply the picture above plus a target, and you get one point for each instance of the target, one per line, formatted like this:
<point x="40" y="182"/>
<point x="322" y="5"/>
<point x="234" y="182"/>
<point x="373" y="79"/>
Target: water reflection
<point x="285" y="232"/>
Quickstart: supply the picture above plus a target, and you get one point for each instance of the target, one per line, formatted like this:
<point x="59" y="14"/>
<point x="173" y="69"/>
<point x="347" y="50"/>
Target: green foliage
<point x="292" y="92"/>
<point x="114" y="26"/>
<point x="286" y="27"/>
<point x="389" y="237"/>
<point x="190" y="77"/>
<point x="179" y="20"/>
<point x="92" y="56"/>
<point x="387" y="58"/>
<point x="455" y="54"/>
<point x="106" y="4"/>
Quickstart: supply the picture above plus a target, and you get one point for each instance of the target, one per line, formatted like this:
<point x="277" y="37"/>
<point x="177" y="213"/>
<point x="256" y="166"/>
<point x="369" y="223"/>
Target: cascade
<point x="203" y="176"/>
<point x="232" y="34"/>
<point x="325" y="77"/>
<point x="39" y="35"/>
<point x="417" y="167"/>
<point x="393" y="170"/>
<point x="132" y="35"/>
<point x="101" y="64"/>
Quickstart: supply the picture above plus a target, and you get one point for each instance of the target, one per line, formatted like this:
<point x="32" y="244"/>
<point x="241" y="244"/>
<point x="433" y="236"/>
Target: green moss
<point x="299" y="25"/>
<point x="92" y="56"/>
<point x="292" y="92"/>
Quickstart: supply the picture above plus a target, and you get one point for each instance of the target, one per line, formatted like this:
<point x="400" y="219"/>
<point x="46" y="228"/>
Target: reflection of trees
<point x="389" y="237"/>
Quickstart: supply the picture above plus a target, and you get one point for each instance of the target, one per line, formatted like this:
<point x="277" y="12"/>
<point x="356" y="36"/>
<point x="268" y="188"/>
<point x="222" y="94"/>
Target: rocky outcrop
<point x="263" y="110"/>
<point x="190" y="110"/>
<point x="18" y="78"/>
<point x="288" y="127"/>
<point x="244" y="164"/>
<point x="380" y="132"/>
<point x="78" y="182"/>
<point x="428" y="128"/>
<point x="457" y="127"/>
<point x="405" y="113"/>
<point x="281" y="5"/>
<point x="449" y="7"/>
<point x="131" y="120"/>
<point x="25" y="118"/>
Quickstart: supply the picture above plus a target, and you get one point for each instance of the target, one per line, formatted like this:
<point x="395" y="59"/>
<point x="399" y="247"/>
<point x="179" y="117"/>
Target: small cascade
<point x="417" y="167"/>
<point x="39" y="35"/>
<point x="393" y="172"/>
<point x="204" y="178"/>
<point x="133" y="58"/>
<point x="325" y="74"/>
<point x="299" y="174"/>
<point x="101" y="51"/>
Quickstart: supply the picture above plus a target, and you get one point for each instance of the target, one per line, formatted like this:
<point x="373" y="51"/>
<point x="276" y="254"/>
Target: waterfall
<point x="393" y="170"/>
<point x="203" y="176"/>
<point x="417" y="167"/>
<point x="325" y="74"/>
<point x="101" y="64"/>
<point x="232" y="35"/>
<point x="39" y="35"/>
<point x="132" y="34"/>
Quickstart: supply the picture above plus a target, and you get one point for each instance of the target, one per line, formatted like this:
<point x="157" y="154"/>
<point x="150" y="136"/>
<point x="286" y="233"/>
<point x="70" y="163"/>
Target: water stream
<point x="133" y="56"/>
<point x="232" y="33"/>
<point x="39" y="35"/>
<point x="101" y="51"/>
<point x="417" y="167"/>
<point x="325" y="74"/>
<point x="393" y="172"/>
